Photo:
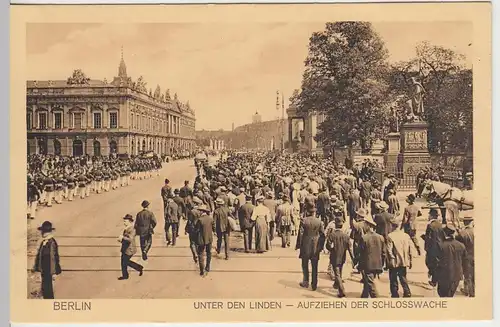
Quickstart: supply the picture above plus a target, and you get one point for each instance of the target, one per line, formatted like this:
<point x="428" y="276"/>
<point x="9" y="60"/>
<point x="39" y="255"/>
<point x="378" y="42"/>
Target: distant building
<point x="256" y="118"/>
<point x="81" y="116"/>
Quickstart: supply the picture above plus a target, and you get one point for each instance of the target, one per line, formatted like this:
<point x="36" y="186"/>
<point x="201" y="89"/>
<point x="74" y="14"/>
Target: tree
<point x="78" y="78"/>
<point x="344" y="78"/>
<point x="448" y="97"/>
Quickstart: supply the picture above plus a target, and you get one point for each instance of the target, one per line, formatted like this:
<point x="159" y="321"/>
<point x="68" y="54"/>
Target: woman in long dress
<point x="262" y="216"/>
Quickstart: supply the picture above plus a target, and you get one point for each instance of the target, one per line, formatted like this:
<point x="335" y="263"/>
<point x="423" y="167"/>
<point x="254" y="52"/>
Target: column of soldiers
<point x="329" y="208"/>
<point x="52" y="179"/>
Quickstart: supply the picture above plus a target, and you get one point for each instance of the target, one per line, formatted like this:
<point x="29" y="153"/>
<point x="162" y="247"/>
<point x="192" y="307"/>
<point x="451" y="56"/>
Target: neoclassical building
<point x="81" y="116"/>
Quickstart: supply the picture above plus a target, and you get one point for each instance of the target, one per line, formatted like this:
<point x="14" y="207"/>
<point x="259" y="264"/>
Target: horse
<point x="442" y="192"/>
<point x="452" y="200"/>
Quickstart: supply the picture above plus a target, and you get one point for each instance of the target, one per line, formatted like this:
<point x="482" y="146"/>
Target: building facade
<point x="80" y="116"/>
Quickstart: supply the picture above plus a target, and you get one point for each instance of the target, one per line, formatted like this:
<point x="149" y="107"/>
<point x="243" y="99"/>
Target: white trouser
<point x="49" y="196"/>
<point x="87" y="190"/>
<point x="58" y="196"/>
<point x="82" y="192"/>
<point x="32" y="208"/>
<point x="98" y="186"/>
<point x="71" y="194"/>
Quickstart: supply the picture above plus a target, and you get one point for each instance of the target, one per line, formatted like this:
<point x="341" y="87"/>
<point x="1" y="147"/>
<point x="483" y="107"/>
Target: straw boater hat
<point x="369" y="220"/>
<point x="203" y="207"/>
<point x="219" y="201"/>
<point x="382" y="205"/>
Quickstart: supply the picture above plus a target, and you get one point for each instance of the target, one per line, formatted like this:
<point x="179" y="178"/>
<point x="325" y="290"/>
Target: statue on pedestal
<point x="415" y="106"/>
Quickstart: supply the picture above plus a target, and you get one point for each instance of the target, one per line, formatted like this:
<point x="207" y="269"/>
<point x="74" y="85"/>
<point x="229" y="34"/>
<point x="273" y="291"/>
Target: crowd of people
<point x="53" y="179"/>
<point x="341" y="209"/>
<point x="329" y="207"/>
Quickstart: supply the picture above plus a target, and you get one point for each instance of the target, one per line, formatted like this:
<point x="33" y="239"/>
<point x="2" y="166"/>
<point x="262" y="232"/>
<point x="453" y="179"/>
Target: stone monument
<point x="414" y="148"/>
<point x="392" y="144"/>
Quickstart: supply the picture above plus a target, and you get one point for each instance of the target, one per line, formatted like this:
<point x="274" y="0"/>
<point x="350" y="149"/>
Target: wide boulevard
<point x="87" y="232"/>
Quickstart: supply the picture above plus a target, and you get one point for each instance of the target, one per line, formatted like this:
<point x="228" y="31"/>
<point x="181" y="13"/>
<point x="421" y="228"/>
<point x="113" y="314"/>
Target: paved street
<point x="87" y="233"/>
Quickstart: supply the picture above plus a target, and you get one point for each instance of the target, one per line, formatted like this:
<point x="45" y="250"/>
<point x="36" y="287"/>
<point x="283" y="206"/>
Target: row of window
<point x="76" y="120"/>
<point x="141" y="122"/>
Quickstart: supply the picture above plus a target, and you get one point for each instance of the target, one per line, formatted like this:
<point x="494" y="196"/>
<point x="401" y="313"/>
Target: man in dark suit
<point x="192" y="220"/>
<point x="145" y="222"/>
<point x="222" y="227"/>
<point x="338" y="243"/>
<point x="372" y="258"/>
<point x="246" y="223"/>
<point x="383" y="219"/>
<point x="128" y="249"/>
<point x="47" y="260"/>
<point x="451" y="258"/>
<point x="166" y="191"/>
<point x="466" y="236"/>
<point x="205" y="228"/>
<point x="323" y="206"/>
<point x="365" y="190"/>
<point x="171" y="220"/>
<point x="353" y="203"/>
<point x="411" y="212"/>
<point x="310" y="242"/>
<point x="433" y="237"/>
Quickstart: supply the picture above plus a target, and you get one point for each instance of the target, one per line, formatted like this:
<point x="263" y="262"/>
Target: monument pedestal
<point x="391" y="157"/>
<point x="414" y="149"/>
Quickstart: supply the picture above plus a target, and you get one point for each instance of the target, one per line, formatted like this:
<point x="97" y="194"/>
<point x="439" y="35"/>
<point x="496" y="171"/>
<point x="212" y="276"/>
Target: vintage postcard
<point x="233" y="163"/>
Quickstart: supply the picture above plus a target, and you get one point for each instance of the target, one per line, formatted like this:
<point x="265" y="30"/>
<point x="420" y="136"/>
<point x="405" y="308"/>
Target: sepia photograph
<point x="239" y="164"/>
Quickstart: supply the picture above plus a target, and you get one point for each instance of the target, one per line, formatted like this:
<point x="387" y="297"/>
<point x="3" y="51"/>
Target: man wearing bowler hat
<point x="310" y="241"/>
<point x="451" y="260"/>
<point x="47" y="260"/>
<point x="128" y="249"/>
<point x="205" y="228"/>
<point x="145" y="222"/>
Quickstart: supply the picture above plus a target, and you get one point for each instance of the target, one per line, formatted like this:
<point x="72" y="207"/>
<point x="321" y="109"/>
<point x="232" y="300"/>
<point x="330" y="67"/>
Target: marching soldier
<point x="48" y="183"/>
<point x="33" y="196"/>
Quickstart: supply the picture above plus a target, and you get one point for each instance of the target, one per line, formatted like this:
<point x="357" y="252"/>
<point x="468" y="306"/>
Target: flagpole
<point x="282" y="121"/>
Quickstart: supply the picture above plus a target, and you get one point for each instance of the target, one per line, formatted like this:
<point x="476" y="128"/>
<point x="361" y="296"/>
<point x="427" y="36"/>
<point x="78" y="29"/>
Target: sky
<point x="226" y="71"/>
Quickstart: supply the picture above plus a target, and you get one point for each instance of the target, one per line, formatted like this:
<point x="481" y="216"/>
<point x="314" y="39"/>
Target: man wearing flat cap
<point x="128" y="249"/>
<point x="400" y="253"/>
<point x="47" y="260"/>
<point x="171" y="220"/>
<point x="145" y="222"/>
<point x="451" y="261"/>
<point x="372" y="256"/>
<point x="284" y="221"/>
<point x="466" y="236"/>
